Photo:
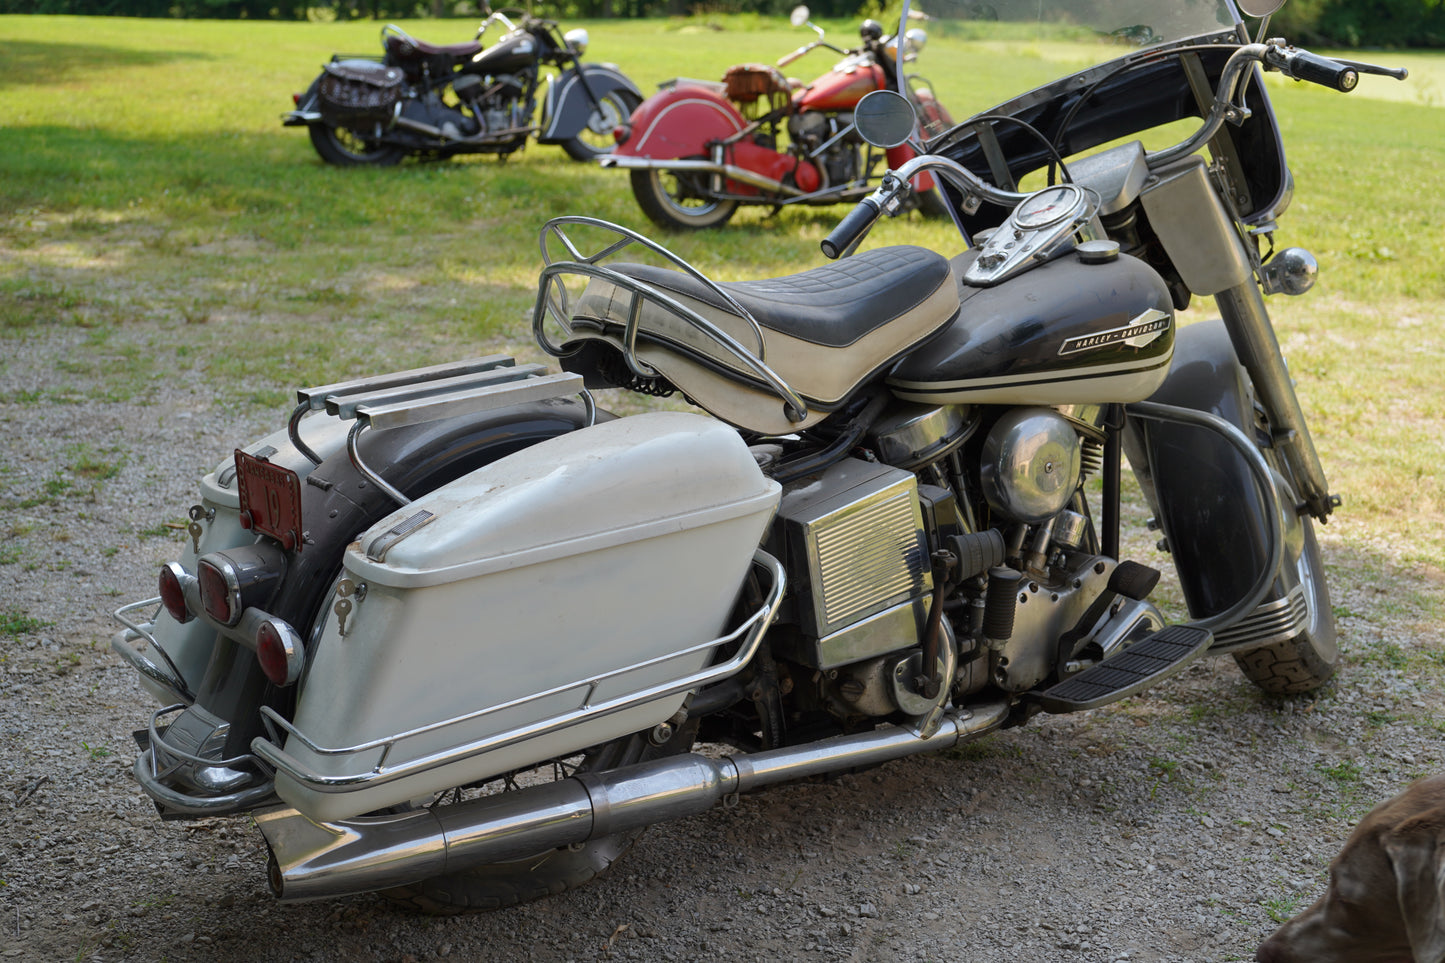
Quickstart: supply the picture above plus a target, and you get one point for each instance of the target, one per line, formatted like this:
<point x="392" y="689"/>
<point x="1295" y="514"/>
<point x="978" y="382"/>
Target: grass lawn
<point x="150" y="198"/>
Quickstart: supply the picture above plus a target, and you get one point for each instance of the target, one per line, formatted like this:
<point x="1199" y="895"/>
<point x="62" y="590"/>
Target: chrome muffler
<point x="311" y="860"/>
<point x="731" y="171"/>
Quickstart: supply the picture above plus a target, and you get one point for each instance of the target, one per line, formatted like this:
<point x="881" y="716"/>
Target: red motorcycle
<point x="697" y="149"/>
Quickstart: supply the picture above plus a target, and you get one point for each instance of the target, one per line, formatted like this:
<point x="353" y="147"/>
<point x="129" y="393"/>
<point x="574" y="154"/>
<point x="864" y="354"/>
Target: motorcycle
<point x="458" y="635"/>
<point x="431" y="100"/>
<point x="697" y="149"/>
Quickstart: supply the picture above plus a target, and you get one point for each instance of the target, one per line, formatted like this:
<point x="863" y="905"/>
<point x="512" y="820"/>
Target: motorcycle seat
<point x="411" y="46"/>
<point x="825" y="332"/>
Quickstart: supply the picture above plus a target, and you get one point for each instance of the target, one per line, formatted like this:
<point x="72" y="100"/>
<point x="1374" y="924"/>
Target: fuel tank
<point x="842" y="89"/>
<point x="1067" y="332"/>
<point x="512" y="53"/>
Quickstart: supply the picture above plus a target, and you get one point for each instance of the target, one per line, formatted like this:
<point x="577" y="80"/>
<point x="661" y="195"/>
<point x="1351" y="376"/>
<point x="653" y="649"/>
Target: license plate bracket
<point x="270" y="499"/>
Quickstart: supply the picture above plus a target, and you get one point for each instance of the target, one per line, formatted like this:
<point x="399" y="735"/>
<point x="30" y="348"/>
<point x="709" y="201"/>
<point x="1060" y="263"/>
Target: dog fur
<point x="1386" y="897"/>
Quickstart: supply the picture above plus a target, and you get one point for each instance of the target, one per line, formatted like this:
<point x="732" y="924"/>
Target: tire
<point x="1306" y="661"/>
<point x="346" y="148"/>
<point x="672" y="200"/>
<point x="500" y="885"/>
<point x="596" y="139"/>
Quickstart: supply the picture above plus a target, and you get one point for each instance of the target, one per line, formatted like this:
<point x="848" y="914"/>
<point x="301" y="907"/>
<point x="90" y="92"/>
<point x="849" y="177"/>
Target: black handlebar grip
<point x="1304" y="65"/>
<point x="850" y="228"/>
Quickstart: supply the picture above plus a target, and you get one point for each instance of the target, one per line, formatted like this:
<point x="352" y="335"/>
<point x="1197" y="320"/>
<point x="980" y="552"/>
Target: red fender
<point x="679" y="121"/>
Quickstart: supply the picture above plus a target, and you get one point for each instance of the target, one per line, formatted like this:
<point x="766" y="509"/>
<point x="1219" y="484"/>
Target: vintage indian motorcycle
<point x="438" y="101"/>
<point x="458" y="635"/>
<point x="697" y="149"/>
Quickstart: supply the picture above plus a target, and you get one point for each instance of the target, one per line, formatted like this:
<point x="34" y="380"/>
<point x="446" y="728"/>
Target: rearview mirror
<point x="799" y="16"/>
<point x="1259" y="8"/>
<point x="885" y="118"/>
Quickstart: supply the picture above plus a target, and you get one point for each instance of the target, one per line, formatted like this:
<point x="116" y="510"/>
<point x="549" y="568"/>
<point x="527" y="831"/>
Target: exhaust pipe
<point x="311" y="860"/>
<point x="740" y="174"/>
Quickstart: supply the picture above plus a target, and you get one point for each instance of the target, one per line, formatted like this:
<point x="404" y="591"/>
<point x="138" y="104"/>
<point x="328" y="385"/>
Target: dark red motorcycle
<point x="697" y="149"/>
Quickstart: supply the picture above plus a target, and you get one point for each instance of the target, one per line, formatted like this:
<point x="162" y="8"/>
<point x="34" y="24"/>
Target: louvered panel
<point x="867" y="556"/>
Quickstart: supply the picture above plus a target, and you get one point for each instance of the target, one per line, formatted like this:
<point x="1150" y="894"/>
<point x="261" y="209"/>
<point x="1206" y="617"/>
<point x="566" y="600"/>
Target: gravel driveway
<point x="1179" y="825"/>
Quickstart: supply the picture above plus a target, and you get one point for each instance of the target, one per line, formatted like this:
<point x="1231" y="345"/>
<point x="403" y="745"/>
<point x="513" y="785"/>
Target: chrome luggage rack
<point x="553" y="302"/>
<point x="432" y="393"/>
<point x="749" y="634"/>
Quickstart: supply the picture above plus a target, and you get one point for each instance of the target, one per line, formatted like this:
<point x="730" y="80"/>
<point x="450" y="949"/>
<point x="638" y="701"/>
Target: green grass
<point x="155" y="214"/>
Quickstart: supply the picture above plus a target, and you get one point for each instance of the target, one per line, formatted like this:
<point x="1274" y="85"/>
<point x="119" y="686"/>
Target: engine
<point x="1028" y="597"/>
<point x="811" y="130"/>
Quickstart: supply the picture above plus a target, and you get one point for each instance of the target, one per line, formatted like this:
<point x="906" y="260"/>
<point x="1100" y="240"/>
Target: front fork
<point x="1252" y="334"/>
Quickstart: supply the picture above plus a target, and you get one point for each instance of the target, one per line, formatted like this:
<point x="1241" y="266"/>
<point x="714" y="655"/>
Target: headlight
<point x="577" y="40"/>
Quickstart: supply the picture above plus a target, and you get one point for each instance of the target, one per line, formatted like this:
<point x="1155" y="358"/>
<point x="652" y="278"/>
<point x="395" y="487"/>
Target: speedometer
<point x="1048" y="207"/>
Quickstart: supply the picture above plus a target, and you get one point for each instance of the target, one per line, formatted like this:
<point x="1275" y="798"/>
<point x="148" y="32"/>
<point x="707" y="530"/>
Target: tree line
<point x="1340" y="23"/>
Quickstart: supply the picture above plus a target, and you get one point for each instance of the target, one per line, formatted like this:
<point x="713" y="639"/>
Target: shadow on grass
<point x="30" y="63"/>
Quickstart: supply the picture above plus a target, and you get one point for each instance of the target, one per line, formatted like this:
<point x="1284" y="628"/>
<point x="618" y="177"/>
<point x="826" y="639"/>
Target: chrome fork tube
<point x="1247" y="319"/>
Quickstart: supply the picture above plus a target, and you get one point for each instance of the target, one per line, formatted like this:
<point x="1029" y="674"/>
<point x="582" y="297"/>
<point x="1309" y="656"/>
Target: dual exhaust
<point x="312" y="860"/>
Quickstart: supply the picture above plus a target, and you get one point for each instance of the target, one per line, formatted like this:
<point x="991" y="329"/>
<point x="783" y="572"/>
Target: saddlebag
<point x="548" y="602"/>
<point x="359" y="92"/>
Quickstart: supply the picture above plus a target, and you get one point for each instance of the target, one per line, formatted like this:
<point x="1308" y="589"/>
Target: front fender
<point x="567" y="106"/>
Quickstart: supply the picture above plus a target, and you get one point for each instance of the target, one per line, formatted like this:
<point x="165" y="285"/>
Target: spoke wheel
<point x="348" y="148"/>
<point x="596" y="138"/>
<point x="676" y="201"/>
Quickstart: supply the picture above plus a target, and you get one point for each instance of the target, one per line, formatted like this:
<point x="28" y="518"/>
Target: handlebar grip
<point x="852" y="227"/>
<point x="1304" y="65"/>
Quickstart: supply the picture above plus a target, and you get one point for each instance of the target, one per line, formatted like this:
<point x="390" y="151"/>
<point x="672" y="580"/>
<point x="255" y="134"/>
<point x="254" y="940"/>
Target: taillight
<point x="173" y="592"/>
<point x="239" y="578"/>
<point x="621" y="132"/>
<point x="220" y="595"/>
<point x="279" y="651"/>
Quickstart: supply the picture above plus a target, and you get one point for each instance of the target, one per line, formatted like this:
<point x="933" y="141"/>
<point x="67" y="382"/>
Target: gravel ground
<point x="1179" y="825"/>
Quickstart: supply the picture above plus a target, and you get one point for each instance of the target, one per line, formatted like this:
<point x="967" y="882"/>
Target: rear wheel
<point x="1306" y="661"/>
<point x="499" y="885"/>
<point x="595" y="139"/>
<point x="348" y="148"/>
<point x="676" y="201"/>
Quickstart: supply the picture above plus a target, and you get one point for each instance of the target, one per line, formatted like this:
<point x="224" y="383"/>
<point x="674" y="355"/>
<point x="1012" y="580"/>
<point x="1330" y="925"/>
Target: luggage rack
<point x="748" y="634"/>
<point x="419" y="395"/>
<point x="553" y="302"/>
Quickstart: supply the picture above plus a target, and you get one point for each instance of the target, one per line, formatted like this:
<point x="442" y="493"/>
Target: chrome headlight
<point x="577" y="40"/>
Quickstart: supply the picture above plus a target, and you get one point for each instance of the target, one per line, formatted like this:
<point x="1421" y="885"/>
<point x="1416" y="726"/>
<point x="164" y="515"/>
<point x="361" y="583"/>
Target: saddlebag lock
<point x="357" y="92"/>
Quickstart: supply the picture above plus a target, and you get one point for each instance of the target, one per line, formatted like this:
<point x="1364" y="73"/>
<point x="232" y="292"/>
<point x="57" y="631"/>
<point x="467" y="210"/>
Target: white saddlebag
<point x="542" y="586"/>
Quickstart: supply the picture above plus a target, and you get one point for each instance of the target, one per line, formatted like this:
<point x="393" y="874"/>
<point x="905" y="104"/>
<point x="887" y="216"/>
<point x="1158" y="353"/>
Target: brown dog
<point x="1386" y="899"/>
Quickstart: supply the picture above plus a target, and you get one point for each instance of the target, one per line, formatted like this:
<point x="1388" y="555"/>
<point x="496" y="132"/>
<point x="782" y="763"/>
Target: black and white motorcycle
<point x="429" y="100"/>
<point x="458" y="635"/>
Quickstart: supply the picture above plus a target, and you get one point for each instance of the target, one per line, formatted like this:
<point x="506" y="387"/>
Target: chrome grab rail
<point x="588" y="265"/>
<point x="751" y="633"/>
<point x="174" y="681"/>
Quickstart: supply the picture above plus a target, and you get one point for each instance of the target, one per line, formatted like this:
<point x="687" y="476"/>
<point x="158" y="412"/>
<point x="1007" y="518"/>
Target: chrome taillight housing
<point x="173" y="581"/>
<point x="237" y="579"/>
<point x="279" y="651"/>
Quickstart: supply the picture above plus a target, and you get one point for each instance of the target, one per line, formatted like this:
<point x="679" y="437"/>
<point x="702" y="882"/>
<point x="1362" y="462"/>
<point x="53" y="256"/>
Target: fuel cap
<point x="1098" y="252"/>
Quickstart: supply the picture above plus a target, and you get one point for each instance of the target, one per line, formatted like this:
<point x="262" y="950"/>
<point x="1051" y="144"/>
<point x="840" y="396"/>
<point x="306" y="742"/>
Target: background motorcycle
<point x="438" y="101"/>
<point x="453" y="632"/>
<point x="697" y="149"/>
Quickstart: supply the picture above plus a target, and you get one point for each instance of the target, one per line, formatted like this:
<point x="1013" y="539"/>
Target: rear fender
<point x="1204" y="496"/>
<point x="680" y="121"/>
<point x="567" y="107"/>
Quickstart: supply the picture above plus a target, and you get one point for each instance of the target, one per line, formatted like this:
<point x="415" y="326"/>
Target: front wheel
<point x="677" y="201"/>
<point x="1306" y="661"/>
<point x="348" y="148"/>
<point x="595" y="139"/>
<point x="500" y="885"/>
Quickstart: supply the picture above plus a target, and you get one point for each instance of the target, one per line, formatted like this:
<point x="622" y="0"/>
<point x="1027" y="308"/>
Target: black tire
<point x="500" y="885"/>
<point x="596" y="138"/>
<point x="675" y="201"/>
<point x="347" y="148"/>
<point x="1306" y="661"/>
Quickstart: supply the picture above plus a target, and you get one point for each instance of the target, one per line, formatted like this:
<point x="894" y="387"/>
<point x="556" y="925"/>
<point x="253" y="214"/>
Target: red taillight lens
<point x="279" y="651"/>
<point x="173" y="592"/>
<point x="217" y="595"/>
<point x="621" y="132"/>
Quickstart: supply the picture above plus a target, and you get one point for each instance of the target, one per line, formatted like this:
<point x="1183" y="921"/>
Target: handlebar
<point x="808" y="48"/>
<point x="1275" y="55"/>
